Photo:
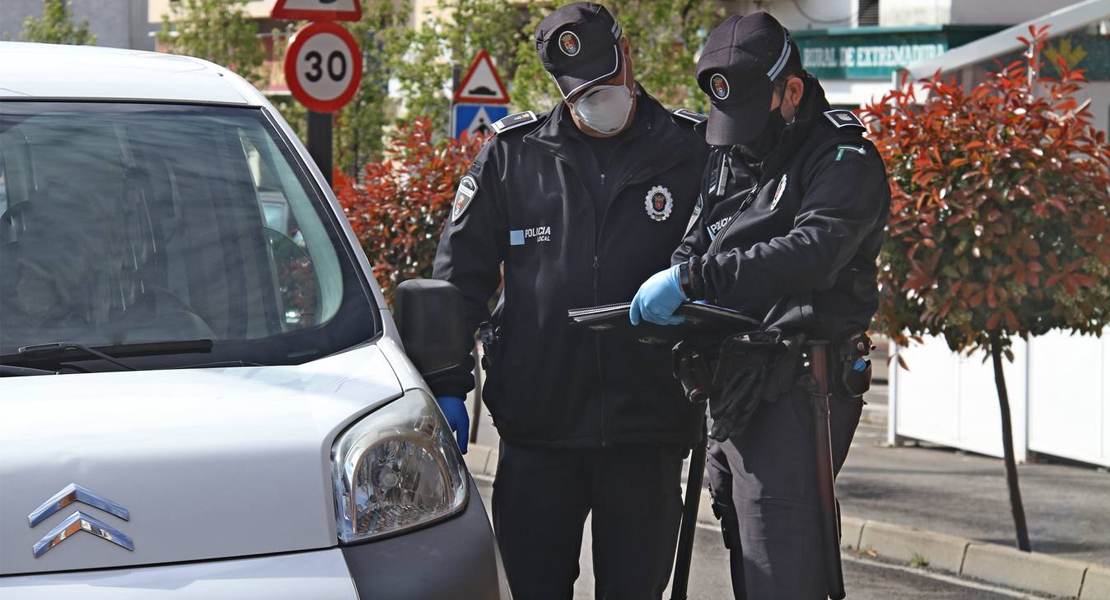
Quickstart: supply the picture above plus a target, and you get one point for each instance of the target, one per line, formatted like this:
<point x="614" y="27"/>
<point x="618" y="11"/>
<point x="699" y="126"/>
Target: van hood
<point x="208" y="463"/>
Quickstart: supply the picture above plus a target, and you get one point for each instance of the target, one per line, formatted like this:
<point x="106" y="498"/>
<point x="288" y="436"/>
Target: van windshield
<point x="136" y="224"/>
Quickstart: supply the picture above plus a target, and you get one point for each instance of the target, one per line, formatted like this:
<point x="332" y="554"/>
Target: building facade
<point x="116" y="23"/>
<point x="857" y="46"/>
<point x="273" y="72"/>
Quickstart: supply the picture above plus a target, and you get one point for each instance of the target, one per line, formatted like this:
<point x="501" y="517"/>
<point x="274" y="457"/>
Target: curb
<point x="992" y="563"/>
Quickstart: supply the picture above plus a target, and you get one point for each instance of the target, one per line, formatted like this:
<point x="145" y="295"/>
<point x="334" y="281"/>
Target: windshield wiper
<point x="59" y="348"/>
<point x="68" y="351"/>
<point x="14" y="371"/>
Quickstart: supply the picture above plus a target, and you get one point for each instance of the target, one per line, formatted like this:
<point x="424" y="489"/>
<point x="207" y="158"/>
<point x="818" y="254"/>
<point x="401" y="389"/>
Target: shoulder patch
<point x="513" y="121"/>
<point x="842" y="148"/>
<point x="689" y="115"/>
<point x="844" y="118"/>
<point x="468" y="188"/>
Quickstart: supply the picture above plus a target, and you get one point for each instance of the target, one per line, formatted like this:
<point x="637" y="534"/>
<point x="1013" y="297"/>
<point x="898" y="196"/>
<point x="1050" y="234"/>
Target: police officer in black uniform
<point x="795" y="203"/>
<point x="578" y="206"/>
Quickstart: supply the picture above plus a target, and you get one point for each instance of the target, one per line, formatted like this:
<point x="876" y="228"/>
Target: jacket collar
<point x="811" y="108"/>
<point x="651" y="118"/>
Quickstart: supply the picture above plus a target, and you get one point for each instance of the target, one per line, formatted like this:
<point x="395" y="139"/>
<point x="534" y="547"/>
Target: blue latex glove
<point x="454" y="408"/>
<point x="658" y="298"/>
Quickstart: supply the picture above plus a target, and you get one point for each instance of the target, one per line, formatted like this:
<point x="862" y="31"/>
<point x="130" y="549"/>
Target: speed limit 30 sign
<point x="323" y="67"/>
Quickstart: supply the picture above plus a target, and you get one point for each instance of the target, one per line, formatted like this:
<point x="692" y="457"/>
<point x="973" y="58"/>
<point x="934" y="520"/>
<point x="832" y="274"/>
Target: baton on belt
<point x="830" y="523"/>
<point x="692" y="371"/>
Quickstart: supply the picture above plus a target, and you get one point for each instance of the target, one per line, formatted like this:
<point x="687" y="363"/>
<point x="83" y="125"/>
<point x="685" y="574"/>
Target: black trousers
<point x="764" y="490"/>
<point x="540" y="502"/>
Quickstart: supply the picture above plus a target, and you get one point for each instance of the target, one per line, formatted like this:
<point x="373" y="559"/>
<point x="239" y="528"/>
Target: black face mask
<point x="767" y="139"/>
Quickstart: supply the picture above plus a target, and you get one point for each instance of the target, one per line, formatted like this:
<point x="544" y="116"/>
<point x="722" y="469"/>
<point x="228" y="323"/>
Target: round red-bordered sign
<point x="323" y="67"/>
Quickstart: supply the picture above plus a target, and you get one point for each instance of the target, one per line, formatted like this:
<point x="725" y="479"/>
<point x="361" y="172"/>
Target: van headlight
<point x="396" y="468"/>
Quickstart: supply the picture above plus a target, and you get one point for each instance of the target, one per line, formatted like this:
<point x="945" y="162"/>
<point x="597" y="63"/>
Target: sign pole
<point x="323" y="67"/>
<point x="319" y="142"/>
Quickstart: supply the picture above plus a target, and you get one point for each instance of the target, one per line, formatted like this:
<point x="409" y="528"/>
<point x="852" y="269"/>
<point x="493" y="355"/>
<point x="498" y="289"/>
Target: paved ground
<point x="865" y="579"/>
<point x="1067" y="507"/>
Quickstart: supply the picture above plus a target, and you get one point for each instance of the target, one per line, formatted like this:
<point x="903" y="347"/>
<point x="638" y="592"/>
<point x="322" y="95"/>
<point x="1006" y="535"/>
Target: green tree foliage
<point x="57" y="26"/>
<point x="220" y="31"/>
<point x="421" y="60"/>
<point x="418" y="58"/>
<point x="665" y="37"/>
<point x="433" y="51"/>
<point x="359" y="128"/>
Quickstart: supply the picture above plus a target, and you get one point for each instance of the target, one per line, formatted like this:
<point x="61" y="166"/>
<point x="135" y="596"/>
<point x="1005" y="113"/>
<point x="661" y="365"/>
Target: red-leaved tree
<point x="401" y="207"/>
<point x="1000" y="216"/>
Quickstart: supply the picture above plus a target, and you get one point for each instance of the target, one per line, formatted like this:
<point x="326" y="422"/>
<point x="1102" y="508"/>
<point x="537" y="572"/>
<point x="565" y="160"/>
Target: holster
<point x="850" y="371"/>
<point x="487" y="334"/>
<point x="751" y="368"/>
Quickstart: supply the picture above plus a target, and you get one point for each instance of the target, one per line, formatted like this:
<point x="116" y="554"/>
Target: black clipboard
<point x="704" y="323"/>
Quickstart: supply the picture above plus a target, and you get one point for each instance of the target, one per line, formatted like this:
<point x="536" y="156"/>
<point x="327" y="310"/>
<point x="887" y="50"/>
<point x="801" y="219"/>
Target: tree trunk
<point x="1008" y="446"/>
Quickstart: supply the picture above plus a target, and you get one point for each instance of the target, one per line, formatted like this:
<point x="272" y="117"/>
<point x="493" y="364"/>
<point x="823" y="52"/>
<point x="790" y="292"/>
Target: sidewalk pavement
<point x="949" y="511"/>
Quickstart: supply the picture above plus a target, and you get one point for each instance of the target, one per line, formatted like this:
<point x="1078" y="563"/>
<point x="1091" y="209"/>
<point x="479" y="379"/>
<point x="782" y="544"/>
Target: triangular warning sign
<point x="482" y="84"/>
<point x="317" y="10"/>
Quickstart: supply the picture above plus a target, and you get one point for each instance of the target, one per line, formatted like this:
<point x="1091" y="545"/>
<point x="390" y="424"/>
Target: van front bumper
<point x="457" y="558"/>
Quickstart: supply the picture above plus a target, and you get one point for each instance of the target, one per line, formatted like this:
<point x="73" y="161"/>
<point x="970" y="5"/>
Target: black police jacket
<point x="523" y="204"/>
<point x="793" y="241"/>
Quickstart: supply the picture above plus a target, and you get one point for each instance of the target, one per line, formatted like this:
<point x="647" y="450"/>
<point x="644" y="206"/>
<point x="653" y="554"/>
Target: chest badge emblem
<point x="659" y="203"/>
<point x="778" y="193"/>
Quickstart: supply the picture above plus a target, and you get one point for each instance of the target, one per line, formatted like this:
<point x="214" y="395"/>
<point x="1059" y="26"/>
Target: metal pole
<point x="319" y="142"/>
<point x="456" y="74"/>
<point x="477" y="416"/>
<point x="692" y="371"/>
<point x="830" y="523"/>
<point x="685" y="554"/>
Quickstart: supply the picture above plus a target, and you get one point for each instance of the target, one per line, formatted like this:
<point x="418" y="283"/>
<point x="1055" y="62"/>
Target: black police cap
<point x="579" y="45"/>
<point x="738" y="65"/>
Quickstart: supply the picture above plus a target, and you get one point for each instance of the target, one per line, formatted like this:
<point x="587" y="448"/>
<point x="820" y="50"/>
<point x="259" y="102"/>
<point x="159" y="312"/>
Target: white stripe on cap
<point x="616" y="30"/>
<point x="610" y="74"/>
<point x="780" y="64"/>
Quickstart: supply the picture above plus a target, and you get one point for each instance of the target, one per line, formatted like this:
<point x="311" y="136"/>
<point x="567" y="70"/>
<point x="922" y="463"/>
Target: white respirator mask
<point x="604" y="108"/>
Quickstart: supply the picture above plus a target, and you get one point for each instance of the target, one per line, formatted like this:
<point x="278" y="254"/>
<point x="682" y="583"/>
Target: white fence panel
<point x="1069" y="399"/>
<point x="1059" y="388"/>
<point x="951" y="400"/>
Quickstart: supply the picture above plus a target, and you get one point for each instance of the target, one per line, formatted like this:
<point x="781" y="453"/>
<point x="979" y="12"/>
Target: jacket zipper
<point x="672" y="159"/>
<point x="610" y="199"/>
<point x="597" y="350"/>
<point x="596" y="268"/>
<point x="716" y="245"/>
<point x="599" y="228"/>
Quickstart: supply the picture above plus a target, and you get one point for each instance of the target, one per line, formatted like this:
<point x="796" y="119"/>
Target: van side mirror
<point x="430" y="317"/>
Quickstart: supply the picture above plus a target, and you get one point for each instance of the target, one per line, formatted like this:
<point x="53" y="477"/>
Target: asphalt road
<point x="866" y="579"/>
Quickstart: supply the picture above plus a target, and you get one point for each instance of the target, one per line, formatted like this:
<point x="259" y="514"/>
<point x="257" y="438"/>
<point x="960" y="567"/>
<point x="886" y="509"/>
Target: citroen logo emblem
<point x="78" y="521"/>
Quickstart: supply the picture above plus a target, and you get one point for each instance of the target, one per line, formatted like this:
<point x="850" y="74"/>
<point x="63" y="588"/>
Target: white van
<point x="204" y="394"/>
